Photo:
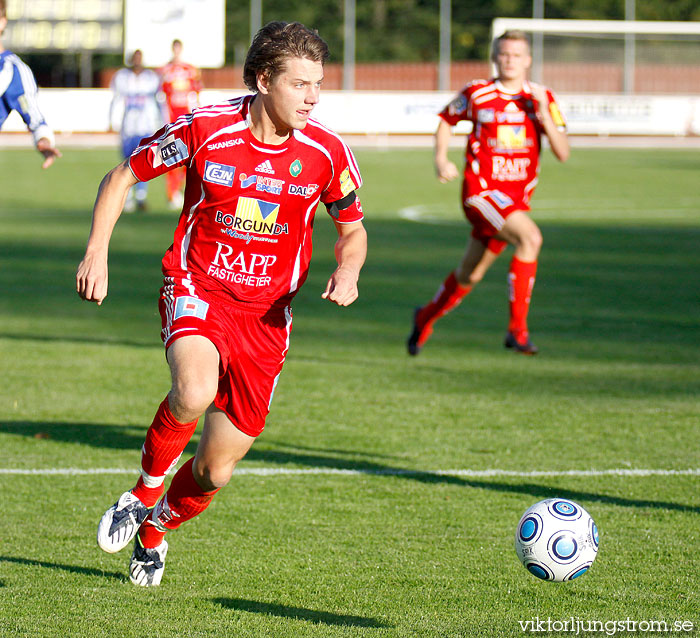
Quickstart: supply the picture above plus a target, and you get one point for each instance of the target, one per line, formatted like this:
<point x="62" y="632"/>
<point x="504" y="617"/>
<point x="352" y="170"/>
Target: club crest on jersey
<point x="252" y="216"/>
<point x="170" y="151"/>
<point x="221" y="174"/>
<point x="295" y="168"/>
<point x="304" y="191"/>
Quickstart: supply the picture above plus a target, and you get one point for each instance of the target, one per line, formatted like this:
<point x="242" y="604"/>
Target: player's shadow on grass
<point x="131" y="438"/>
<point x="97" y="435"/>
<point x="378" y="469"/>
<point x="73" y="569"/>
<point x="146" y="342"/>
<point x="543" y="491"/>
<point x="298" y="613"/>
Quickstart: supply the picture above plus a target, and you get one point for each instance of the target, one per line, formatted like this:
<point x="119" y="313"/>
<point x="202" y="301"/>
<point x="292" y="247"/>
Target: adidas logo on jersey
<point x="265" y="167"/>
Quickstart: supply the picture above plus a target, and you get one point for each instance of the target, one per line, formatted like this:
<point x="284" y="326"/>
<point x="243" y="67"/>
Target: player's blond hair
<point x="274" y="44"/>
<point x="511" y="34"/>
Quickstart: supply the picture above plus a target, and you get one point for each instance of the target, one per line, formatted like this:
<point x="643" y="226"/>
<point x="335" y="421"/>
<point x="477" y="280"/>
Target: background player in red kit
<point x="181" y="84"/>
<point x="257" y="167"/>
<point x="509" y="115"/>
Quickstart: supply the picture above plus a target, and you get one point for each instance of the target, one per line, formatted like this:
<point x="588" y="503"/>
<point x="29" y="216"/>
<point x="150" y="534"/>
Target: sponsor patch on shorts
<point x="190" y="307"/>
<point x="501" y="199"/>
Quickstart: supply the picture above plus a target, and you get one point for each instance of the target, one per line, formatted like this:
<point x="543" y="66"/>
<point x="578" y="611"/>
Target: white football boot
<point x="119" y="523"/>
<point x="147" y="565"/>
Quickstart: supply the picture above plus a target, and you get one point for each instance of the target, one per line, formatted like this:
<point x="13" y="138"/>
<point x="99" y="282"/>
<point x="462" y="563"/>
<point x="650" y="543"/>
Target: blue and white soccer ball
<point x="556" y="539"/>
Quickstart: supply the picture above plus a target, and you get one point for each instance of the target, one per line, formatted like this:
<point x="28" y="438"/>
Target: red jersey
<point x="181" y="83"/>
<point x="246" y="225"/>
<point x="503" y="148"/>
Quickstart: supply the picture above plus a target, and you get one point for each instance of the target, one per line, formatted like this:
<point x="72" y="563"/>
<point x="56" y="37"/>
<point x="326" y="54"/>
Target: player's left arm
<point x="555" y="131"/>
<point x="350" y="253"/>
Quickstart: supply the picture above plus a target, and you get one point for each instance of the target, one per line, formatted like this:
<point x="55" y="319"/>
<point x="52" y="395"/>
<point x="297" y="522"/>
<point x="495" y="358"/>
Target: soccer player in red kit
<point x="257" y="167"/>
<point x="509" y="117"/>
<point x="181" y="84"/>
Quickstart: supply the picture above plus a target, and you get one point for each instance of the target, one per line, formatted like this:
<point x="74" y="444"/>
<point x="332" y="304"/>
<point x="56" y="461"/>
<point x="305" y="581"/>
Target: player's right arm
<point x="454" y="112"/>
<point x="445" y="169"/>
<point x="92" y="276"/>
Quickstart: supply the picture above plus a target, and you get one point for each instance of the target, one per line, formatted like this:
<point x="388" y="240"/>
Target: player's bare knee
<point x="467" y="276"/>
<point x="536" y="239"/>
<point x="189" y="400"/>
<point x="531" y="243"/>
<point x="473" y="278"/>
<point x="212" y="477"/>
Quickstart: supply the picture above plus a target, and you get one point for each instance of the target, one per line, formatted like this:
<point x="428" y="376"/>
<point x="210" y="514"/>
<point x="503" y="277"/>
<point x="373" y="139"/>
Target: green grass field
<point x="403" y="543"/>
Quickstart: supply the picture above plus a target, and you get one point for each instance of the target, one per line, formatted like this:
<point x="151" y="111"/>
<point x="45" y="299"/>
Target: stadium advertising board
<point x="152" y="25"/>
<point x="402" y="112"/>
<point x="64" y="25"/>
<point x="405" y="113"/>
<point x="631" y="114"/>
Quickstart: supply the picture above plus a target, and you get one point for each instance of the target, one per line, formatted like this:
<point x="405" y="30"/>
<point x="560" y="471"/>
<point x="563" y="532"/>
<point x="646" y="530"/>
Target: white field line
<point x="423" y="213"/>
<point x="281" y="471"/>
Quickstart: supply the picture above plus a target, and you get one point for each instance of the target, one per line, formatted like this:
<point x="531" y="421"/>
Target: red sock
<point x="521" y="279"/>
<point x="447" y="298"/>
<point x="184" y="500"/>
<point x="165" y="441"/>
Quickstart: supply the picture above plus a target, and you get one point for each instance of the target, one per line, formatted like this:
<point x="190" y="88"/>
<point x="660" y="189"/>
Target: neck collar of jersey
<point x="499" y="85"/>
<point x="254" y="141"/>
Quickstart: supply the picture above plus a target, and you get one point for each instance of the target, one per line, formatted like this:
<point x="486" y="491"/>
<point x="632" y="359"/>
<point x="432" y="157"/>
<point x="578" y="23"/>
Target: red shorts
<point x="487" y="212"/>
<point x="252" y="344"/>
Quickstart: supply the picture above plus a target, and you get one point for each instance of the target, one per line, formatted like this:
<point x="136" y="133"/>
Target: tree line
<point x="408" y="30"/>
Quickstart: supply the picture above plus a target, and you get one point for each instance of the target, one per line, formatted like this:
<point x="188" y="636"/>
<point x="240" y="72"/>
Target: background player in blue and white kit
<point x="18" y="93"/>
<point x="136" y="90"/>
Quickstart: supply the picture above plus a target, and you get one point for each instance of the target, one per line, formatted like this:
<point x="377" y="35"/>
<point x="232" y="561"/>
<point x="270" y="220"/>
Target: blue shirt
<point x="18" y="93"/>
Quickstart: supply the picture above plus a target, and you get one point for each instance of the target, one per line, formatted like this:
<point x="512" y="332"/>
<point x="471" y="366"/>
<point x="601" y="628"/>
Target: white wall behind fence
<point x="401" y="113"/>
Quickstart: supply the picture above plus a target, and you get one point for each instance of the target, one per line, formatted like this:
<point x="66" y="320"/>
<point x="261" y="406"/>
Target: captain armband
<point x="334" y="208"/>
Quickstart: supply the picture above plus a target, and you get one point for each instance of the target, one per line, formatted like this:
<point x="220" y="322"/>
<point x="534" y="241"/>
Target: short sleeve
<point x="346" y="176"/>
<point x="165" y="150"/>
<point x="456" y="110"/>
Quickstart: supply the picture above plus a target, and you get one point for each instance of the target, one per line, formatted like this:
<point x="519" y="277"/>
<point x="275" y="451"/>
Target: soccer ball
<point x="556" y="539"/>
